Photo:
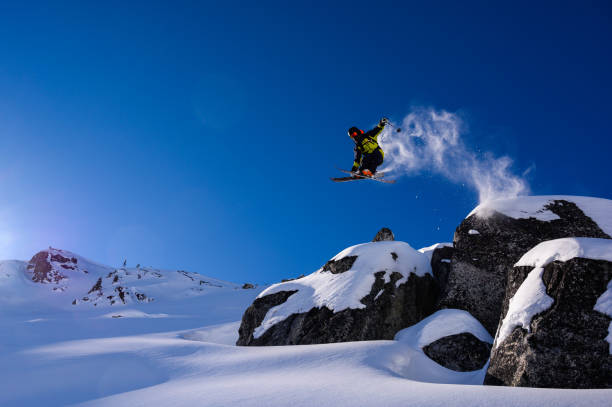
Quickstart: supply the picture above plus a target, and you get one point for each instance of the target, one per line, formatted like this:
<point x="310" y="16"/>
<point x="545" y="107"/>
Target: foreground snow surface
<point x="188" y="359"/>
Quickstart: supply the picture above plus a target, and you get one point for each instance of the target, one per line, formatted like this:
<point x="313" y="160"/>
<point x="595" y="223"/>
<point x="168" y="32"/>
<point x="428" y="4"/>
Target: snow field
<point x="167" y="370"/>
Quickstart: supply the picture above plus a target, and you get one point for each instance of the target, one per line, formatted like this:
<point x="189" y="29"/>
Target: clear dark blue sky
<point x="202" y="136"/>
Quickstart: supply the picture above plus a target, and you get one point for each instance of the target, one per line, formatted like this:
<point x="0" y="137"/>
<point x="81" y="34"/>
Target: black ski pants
<point x="371" y="161"/>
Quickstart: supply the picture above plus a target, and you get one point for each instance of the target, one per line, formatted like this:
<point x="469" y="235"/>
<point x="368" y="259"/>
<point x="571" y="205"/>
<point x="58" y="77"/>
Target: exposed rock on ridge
<point x="481" y="262"/>
<point x="384" y="234"/>
<point x="50" y="266"/>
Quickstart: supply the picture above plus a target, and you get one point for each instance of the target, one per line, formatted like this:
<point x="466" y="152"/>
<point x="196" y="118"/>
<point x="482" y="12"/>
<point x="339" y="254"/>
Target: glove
<point x="383" y="122"/>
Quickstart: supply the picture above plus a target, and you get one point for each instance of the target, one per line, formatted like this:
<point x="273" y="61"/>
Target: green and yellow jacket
<point x="367" y="143"/>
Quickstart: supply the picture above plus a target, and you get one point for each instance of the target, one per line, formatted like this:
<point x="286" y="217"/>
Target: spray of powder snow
<point x="431" y="141"/>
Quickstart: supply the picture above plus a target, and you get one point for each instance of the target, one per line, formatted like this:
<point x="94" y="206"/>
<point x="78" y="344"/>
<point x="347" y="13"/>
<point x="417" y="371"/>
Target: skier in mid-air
<point x="368" y="154"/>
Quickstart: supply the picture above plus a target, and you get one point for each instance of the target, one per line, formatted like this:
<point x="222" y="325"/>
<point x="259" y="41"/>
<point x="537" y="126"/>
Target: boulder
<point x="461" y="352"/>
<point x="452" y="338"/>
<point x="555" y="330"/>
<point x="493" y="237"/>
<point x="384" y="234"/>
<point x="366" y="292"/>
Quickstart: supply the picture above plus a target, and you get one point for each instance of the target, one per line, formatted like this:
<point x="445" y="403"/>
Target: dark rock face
<point x="462" y="352"/>
<point x="255" y="314"/>
<point x="481" y="262"/>
<point x="385" y="314"/>
<point x="96" y="287"/>
<point x="284" y="280"/>
<point x="42" y="270"/>
<point x="340" y="266"/>
<point x="384" y="234"/>
<point x="47" y="266"/>
<point x="441" y="264"/>
<point x="566" y="347"/>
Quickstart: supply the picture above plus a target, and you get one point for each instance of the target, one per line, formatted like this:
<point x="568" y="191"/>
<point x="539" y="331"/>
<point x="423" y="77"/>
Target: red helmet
<point x="353" y="131"/>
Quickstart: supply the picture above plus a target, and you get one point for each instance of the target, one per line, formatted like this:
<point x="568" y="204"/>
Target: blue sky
<point x="201" y="136"/>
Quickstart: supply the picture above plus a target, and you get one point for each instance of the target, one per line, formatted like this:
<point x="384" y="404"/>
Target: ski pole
<point x="398" y="129"/>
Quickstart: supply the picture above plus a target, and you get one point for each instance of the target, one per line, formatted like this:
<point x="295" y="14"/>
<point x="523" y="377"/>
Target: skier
<point x="368" y="154"/>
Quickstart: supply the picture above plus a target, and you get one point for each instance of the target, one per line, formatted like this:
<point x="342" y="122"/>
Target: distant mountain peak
<point x="64" y="278"/>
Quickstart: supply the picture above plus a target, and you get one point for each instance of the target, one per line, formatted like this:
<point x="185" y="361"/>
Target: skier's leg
<point x="367" y="163"/>
<point x="372" y="161"/>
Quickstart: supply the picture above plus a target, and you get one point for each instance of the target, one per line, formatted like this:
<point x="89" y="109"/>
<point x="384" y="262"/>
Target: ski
<point x="345" y="179"/>
<point x="354" y="177"/>
<point x="379" y="174"/>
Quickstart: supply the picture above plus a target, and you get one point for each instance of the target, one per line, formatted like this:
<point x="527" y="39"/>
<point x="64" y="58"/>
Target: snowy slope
<point x="598" y="209"/>
<point x="62" y="279"/>
<point x="167" y="369"/>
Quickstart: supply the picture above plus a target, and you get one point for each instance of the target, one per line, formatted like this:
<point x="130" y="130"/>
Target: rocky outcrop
<point x="384" y="234"/>
<point x="51" y="266"/>
<point x="452" y="338"/>
<point x="387" y="310"/>
<point x="401" y="291"/>
<point x="486" y="248"/>
<point x="562" y="339"/>
<point x="461" y="352"/>
<point x="255" y="314"/>
<point x="441" y="264"/>
<point x="340" y="266"/>
<point x="565" y="345"/>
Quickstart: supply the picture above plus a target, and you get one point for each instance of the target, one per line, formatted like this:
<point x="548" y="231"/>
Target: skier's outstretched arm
<point x="375" y="132"/>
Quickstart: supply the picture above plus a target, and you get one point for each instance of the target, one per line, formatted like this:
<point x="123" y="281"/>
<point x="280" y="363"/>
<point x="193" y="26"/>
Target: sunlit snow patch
<point x="132" y="313"/>
<point x="430" y="249"/>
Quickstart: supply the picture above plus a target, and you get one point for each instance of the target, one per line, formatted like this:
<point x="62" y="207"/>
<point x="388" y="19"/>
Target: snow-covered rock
<point x="482" y="262"/>
<point x="368" y="291"/>
<point x="556" y="328"/>
<point x="452" y="338"/>
<point x="536" y="207"/>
